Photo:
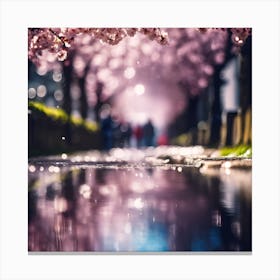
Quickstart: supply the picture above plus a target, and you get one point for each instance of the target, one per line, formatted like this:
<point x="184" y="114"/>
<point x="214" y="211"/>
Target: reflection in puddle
<point x="138" y="209"/>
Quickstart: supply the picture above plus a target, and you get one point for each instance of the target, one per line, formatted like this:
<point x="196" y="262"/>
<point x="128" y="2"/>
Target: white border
<point x="17" y="16"/>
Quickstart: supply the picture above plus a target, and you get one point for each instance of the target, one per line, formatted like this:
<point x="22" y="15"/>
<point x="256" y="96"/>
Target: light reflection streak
<point x="60" y="204"/>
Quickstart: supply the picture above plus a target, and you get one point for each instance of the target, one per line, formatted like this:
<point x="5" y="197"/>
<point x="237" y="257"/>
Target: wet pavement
<point x="165" y="199"/>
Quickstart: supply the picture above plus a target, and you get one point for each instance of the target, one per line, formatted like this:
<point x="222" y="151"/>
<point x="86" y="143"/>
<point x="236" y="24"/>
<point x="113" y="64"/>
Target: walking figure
<point x="148" y="133"/>
<point x="138" y="133"/>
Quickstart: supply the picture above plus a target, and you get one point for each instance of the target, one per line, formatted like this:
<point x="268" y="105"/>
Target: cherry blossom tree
<point x="90" y="57"/>
<point x="238" y="43"/>
<point x="61" y="40"/>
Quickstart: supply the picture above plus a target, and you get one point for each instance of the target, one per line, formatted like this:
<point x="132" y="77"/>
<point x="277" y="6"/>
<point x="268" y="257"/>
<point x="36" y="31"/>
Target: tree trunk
<point x="216" y="111"/>
<point x="231" y="117"/>
<point x="246" y="92"/>
<point x="99" y="102"/>
<point x="67" y="101"/>
<point x="83" y="97"/>
<point x="192" y="119"/>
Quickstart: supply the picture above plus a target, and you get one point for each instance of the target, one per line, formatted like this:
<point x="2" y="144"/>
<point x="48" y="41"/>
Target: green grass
<point x="77" y="121"/>
<point x="61" y="115"/>
<point x="54" y="113"/>
<point x="88" y="125"/>
<point x="182" y="139"/>
<point x="241" y="150"/>
<point x="91" y="126"/>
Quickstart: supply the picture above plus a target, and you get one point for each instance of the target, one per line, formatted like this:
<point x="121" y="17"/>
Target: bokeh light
<point x="139" y="89"/>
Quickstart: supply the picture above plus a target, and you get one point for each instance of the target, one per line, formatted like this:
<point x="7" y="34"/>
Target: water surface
<point x="123" y="208"/>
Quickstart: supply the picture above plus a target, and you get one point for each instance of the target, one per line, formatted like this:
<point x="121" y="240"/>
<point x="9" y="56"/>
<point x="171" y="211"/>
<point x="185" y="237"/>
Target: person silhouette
<point x="107" y="131"/>
<point x="126" y="131"/>
<point x="148" y="133"/>
<point x="138" y="134"/>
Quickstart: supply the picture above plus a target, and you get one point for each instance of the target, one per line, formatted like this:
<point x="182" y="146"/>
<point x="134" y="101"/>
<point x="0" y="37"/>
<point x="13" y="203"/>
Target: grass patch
<point x="241" y="150"/>
<point x="91" y="126"/>
<point x="88" y="125"/>
<point x="182" y="140"/>
<point x="77" y="121"/>
<point x="60" y="115"/>
<point x="54" y="113"/>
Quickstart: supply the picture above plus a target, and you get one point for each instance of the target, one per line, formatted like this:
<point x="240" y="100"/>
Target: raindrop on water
<point x="64" y="156"/>
<point x="32" y="168"/>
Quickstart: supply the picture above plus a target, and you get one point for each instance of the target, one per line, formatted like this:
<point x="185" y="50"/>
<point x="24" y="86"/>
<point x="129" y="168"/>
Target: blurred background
<point x="127" y="119"/>
<point x="195" y="90"/>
